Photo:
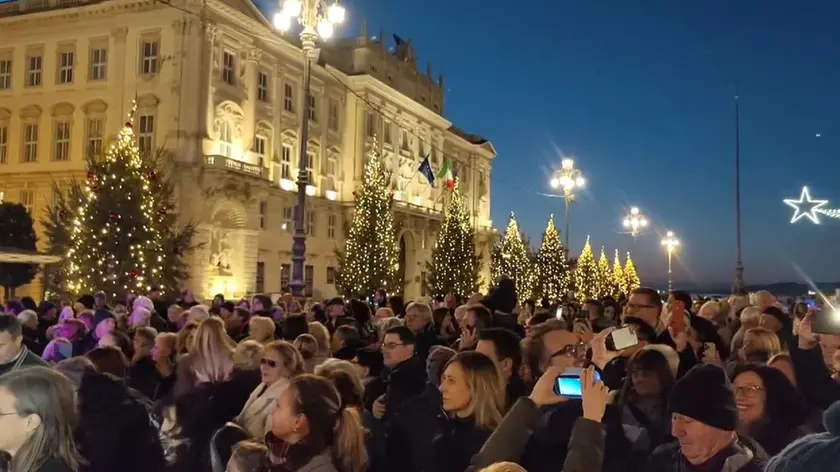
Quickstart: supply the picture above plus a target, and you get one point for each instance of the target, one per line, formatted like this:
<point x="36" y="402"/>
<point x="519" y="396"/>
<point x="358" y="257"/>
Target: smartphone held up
<point x="568" y="384"/>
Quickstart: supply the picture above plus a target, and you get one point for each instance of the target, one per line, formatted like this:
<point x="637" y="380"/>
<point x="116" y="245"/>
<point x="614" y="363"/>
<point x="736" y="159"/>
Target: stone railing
<point x="223" y="162"/>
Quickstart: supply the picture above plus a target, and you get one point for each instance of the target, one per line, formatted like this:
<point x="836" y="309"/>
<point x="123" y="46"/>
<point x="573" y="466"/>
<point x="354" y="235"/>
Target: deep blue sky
<point x="641" y="94"/>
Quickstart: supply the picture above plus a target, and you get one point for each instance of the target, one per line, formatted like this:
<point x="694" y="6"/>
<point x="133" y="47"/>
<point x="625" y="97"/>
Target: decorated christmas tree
<point x="605" y="276"/>
<point x="455" y="266"/>
<point x="631" y="279"/>
<point x="369" y="259"/>
<point x="512" y="257"/>
<point x="619" y="285"/>
<point x="122" y="235"/>
<point x="552" y="270"/>
<point x="586" y="274"/>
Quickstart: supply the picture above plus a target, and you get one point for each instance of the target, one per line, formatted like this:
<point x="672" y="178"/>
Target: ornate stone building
<point x="217" y="86"/>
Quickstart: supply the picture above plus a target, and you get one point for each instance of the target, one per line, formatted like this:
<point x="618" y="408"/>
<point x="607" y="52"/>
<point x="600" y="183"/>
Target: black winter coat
<point x="454" y="444"/>
<point x="412" y="430"/>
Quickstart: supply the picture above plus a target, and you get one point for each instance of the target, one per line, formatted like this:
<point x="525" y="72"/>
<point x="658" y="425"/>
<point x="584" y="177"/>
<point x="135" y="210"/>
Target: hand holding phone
<point x="568" y="384"/>
<point x="621" y="339"/>
<point x="677" y="321"/>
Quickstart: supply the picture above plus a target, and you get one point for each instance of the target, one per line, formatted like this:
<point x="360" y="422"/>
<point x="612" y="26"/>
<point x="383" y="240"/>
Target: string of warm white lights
<point x="552" y="270"/>
<point x="513" y="259"/>
<point x="454" y="266"/>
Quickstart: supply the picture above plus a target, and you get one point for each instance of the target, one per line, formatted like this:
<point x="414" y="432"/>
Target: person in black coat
<point x="406" y="374"/>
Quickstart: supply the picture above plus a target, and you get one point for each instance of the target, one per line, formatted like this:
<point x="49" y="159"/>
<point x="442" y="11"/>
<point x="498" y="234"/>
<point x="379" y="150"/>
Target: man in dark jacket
<point x="418" y="318"/>
<point x="13" y="354"/>
<point x="704" y="418"/>
<point x="406" y="374"/>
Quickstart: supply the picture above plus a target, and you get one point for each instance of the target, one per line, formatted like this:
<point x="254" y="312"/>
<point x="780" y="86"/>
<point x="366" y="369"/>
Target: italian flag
<point x="445" y="174"/>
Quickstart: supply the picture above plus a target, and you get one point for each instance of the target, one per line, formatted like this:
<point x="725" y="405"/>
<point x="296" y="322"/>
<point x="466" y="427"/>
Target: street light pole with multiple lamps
<point x="670" y="242"/>
<point x="568" y="179"/>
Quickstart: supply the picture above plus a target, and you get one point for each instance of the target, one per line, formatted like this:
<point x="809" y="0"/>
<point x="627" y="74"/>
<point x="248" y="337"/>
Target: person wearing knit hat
<point x="703" y="419"/>
<point x="813" y="453"/>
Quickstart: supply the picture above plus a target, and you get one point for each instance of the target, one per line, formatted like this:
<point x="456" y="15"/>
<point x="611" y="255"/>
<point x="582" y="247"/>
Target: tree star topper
<point x="807" y="207"/>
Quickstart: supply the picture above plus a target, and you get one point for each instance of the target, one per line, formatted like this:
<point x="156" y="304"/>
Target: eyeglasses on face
<point x="636" y="306"/>
<point x="577" y="350"/>
<point x="749" y="391"/>
<point x="269" y="362"/>
<point x="391" y="345"/>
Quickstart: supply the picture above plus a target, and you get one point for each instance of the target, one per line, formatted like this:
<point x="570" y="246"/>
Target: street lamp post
<point x="635" y="222"/>
<point x="670" y="242"/>
<point x="318" y="20"/>
<point x="568" y="179"/>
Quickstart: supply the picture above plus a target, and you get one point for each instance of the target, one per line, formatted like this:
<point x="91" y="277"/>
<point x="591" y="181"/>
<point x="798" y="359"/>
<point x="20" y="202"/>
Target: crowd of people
<point x="745" y="384"/>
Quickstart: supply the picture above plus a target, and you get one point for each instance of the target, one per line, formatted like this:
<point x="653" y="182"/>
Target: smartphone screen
<point x="678" y="316"/>
<point x="826" y="322"/>
<point x="559" y="313"/>
<point x="623" y="338"/>
<point x="567" y="384"/>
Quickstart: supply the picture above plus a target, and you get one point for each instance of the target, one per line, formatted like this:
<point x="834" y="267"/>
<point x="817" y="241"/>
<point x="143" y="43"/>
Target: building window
<point x="288" y="215"/>
<point x="260" y="149"/>
<point x="310" y="167"/>
<point x="34" y="67"/>
<point x="313" y="109"/>
<point x="146" y="133"/>
<point x="4" y="143"/>
<point x="333" y="115"/>
<point x="66" y="62"/>
<point x="98" y="64"/>
<point x="262" y="86"/>
<point x="286" y="162"/>
<point x="370" y="125"/>
<point x="386" y="133"/>
<point x="228" y="68"/>
<point x="30" y="142"/>
<point x="332" y="222"/>
<point x="27" y="199"/>
<point x="309" y="224"/>
<point x="148" y="57"/>
<point x="225" y="139"/>
<point x="285" y="276"/>
<point x="405" y="143"/>
<point x="331" y="272"/>
<point x="259" y="283"/>
<point x="61" y="141"/>
<point x="332" y="164"/>
<point x="5" y="74"/>
<point x="94" y="136"/>
<point x="288" y="98"/>
<point x="309" y="279"/>
<point x="263" y="214"/>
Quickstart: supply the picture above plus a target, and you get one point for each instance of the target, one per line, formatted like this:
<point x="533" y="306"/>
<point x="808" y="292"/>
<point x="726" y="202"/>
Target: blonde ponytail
<point x="350" y="450"/>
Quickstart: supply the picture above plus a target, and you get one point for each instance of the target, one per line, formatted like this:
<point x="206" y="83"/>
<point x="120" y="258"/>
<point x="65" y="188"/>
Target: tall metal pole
<point x="670" y="278"/>
<point x="739" y="266"/>
<point x="568" y="199"/>
<point x="297" y="282"/>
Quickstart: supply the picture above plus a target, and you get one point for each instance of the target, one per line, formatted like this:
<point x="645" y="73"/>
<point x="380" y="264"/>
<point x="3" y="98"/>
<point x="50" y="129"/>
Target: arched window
<point x="225" y="139"/>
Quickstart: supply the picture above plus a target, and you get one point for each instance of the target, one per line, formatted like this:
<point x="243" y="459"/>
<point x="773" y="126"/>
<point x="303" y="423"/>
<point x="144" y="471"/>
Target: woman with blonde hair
<point x="473" y="393"/>
<point x="760" y="345"/>
<point x="261" y="329"/>
<point x="38" y="421"/>
<point x="280" y="362"/>
<point x="247" y="355"/>
<point x="210" y="358"/>
<point x="312" y="430"/>
<point x="186" y="337"/>
<point x="322" y="335"/>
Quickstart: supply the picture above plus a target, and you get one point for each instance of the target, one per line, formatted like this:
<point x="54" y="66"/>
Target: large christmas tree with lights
<point x="619" y="284"/>
<point x="122" y="234"/>
<point x="605" y="276"/>
<point x="631" y="279"/>
<point x="455" y="266"/>
<point x="552" y="270"/>
<point x="512" y="257"/>
<point x="369" y="259"/>
<point x="586" y="274"/>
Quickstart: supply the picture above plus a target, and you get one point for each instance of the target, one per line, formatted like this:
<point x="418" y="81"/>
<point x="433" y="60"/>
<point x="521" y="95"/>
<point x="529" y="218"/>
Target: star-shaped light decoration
<point x="806" y="207"/>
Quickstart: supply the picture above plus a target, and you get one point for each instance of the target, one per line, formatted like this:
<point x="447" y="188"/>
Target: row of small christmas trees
<point x="548" y="273"/>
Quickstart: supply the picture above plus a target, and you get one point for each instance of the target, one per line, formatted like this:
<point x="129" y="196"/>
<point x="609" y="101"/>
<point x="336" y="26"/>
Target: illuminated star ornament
<point x="807" y="207"/>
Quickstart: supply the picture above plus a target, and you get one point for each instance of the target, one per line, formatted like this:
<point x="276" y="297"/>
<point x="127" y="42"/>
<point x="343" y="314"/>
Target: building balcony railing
<point x="27" y="6"/>
<point x="224" y="162"/>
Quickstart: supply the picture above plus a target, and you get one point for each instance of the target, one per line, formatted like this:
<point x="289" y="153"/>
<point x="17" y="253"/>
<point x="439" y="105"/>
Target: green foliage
<point x="513" y="257"/>
<point x="586" y="274"/>
<point x="454" y="267"/>
<point x="370" y="256"/>
<point x="631" y="279"/>
<point x="552" y="270"/>
<point x="16" y="232"/>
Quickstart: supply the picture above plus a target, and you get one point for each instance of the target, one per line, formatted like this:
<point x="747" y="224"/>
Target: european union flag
<point x="426" y="169"/>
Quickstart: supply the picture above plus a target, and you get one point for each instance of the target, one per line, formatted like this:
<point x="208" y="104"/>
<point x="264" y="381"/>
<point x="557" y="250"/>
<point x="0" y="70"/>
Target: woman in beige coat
<point x="280" y="363"/>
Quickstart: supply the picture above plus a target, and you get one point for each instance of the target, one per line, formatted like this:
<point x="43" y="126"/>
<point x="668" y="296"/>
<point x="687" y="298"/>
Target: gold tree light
<point x="370" y="257"/>
<point x="512" y="257"/>
<point x="115" y="245"/>
<point x="605" y="275"/>
<point x="454" y="267"/>
<point x="552" y="270"/>
<point x="632" y="281"/>
<point x="619" y="285"/>
<point x="586" y="274"/>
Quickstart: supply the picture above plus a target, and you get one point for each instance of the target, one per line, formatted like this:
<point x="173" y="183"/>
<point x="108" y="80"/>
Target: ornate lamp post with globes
<point x="635" y="222"/>
<point x="670" y="243"/>
<point x="318" y="20"/>
<point x="568" y="179"/>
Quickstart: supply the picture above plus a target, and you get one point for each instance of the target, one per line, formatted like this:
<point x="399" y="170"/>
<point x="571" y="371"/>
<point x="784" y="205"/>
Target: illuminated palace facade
<point x="220" y="89"/>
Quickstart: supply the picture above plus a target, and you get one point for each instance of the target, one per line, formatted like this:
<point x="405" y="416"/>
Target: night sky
<point x="641" y="95"/>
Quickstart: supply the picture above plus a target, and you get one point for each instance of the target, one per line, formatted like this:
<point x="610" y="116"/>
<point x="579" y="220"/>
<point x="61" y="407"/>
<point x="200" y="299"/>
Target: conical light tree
<point x="369" y="260"/>
<point x="552" y="270"/>
<point x="632" y="281"/>
<point x="605" y="277"/>
<point x="455" y="266"/>
<point x="512" y="257"/>
<point x="619" y="285"/>
<point x="586" y="274"/>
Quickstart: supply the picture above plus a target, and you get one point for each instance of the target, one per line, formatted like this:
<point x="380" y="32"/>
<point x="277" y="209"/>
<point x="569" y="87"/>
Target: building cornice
<point x="358" y="83"/>
<point x="82" y="10"/>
